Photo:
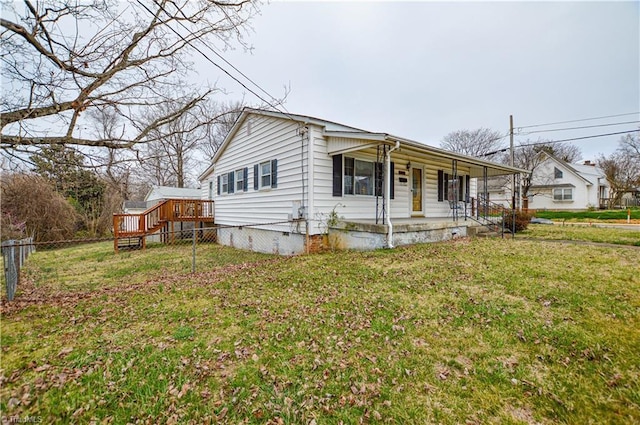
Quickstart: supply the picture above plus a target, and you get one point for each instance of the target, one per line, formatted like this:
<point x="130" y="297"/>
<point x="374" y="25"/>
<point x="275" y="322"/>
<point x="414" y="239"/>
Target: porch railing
<point x="492" y="215"/>
<point x="158" y="216"/>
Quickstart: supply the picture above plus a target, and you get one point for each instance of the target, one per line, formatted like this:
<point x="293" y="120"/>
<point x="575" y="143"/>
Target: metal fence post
<point x="10" y="270"/>
<point x="193" y="252"/>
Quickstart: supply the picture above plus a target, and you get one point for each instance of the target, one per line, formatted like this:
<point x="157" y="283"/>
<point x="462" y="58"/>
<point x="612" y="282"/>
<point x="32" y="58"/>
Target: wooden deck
<point x="160" y="217"/>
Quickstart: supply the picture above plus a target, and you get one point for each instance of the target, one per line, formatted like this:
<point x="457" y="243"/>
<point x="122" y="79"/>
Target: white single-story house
<point x="281" y="181"/>
<point x="558" y="185"/>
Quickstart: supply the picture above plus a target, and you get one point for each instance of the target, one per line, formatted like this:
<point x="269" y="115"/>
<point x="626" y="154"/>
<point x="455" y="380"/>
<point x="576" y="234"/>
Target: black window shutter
<point x="467" y="189"/>
<point x="460" y="188"/>
<point x="440" y="185"/>
<point x="218" y="185"/>
<point x="256" y="177"/>
<point x="274" y="173"/>
<point x="245" y="177"/>
<point x="337" y="175"/>
<point x="392" y="175"/>
<point x="231" y="185"/>
<point x="446" y="186"/>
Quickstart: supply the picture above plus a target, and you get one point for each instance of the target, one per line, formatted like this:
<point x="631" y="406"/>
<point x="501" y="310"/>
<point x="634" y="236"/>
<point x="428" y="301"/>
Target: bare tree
<point x="563" y="151"/>
<point x="175" y="156"/>
<point x="622" y="168"/>
<point x="630" y="145"/>
<point x="62" y="59"/>
<point x="226" y="114"/>
<point x="479" y="142"/>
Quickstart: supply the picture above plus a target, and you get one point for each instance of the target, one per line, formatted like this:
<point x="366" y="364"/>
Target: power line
<point x="220" y="56"/>
<point x="578" y="128"/>
<point x="211" y="60"/>
<point x="580" y="120"/>
<point x="577" y="138"/>
<point x="550" y="142"/>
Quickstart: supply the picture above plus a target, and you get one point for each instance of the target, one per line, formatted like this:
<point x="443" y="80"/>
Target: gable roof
<point x="333" y="129"/>
<point x="573" y="168"/>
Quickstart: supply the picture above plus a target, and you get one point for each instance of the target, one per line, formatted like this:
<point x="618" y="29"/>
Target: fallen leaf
<point x="65" y="351"/>
<point x="223" y="413"/>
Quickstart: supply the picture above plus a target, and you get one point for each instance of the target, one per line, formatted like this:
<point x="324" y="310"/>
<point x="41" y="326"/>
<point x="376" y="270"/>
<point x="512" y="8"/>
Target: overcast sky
<point x="423" y="69"/>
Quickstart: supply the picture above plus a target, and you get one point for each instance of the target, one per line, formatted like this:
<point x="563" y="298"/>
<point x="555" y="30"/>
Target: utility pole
<point x="511" y="162"/>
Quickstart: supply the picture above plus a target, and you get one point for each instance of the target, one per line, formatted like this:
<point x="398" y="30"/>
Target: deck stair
<point x="130" y="231"/>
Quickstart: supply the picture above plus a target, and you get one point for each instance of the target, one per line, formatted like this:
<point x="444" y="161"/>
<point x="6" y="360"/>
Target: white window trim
<point x="224" y="181"/>
<point x="239" y="180"/>
<point x="562" y="194"/>
<point x="260" y="180"/>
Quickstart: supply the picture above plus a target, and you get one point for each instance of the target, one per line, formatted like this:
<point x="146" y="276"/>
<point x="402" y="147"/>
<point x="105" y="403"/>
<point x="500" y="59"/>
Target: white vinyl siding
<point x="269" y="139"/>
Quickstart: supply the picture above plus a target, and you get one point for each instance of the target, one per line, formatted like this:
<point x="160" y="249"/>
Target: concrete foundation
<point x="361" y="236"/>
<point x="369" y="236"/>
<point x="261" y="240"/>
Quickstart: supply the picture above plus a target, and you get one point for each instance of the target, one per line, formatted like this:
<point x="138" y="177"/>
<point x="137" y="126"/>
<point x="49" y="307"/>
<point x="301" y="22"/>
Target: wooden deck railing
<point x="158" y="216"/>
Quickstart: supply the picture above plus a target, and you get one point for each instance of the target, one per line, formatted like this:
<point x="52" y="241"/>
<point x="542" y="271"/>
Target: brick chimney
<point x="588" y="162"/>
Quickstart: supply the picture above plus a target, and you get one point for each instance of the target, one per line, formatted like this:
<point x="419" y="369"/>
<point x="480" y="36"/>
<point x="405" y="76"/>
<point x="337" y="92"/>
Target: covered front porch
<point x="366" y="234"/>
<point x="417" y="194"/>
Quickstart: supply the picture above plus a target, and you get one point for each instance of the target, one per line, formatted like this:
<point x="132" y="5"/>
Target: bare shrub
<point x="32" y="207"/>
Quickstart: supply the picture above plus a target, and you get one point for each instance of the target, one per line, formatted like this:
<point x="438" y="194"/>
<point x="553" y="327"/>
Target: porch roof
<point x="350" y="141"/>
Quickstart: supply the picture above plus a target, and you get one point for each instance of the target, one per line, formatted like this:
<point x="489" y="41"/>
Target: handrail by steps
<point x="491" y="215"/>
<point x="154" y="218"/>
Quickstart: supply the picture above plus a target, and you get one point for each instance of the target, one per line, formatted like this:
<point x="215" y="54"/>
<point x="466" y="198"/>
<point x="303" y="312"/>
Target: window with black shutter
<point x="245" y="175"/>
<point x="230" y="185"/>
<point x="256" y="177"/>
<point x="265" y="174"/>
<point x="337" y="175"/>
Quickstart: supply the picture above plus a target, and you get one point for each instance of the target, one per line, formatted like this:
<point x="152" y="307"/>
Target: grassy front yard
<point x="582" y="233"/>
<point x="472" y="331"/>
<point x="595" y="215"/>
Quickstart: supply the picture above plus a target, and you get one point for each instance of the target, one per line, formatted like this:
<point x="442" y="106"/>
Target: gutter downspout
<point x="387" y="194"/>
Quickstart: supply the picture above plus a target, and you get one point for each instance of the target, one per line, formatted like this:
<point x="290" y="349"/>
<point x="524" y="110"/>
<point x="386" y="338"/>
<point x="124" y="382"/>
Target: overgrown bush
<point x="522" y="220"/>
<point x="32" y="207"/>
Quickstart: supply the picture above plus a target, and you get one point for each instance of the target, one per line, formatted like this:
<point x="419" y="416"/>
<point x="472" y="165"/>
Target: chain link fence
<point x="14" y="255"/>
<point x="181" y="248"/>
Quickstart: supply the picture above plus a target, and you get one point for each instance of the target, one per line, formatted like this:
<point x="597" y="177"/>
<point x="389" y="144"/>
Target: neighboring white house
<point x="157" y="194"/>
<point x="295" y="170"/>
<point x="559" y="185"/>
<point x="154" y="196"/>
